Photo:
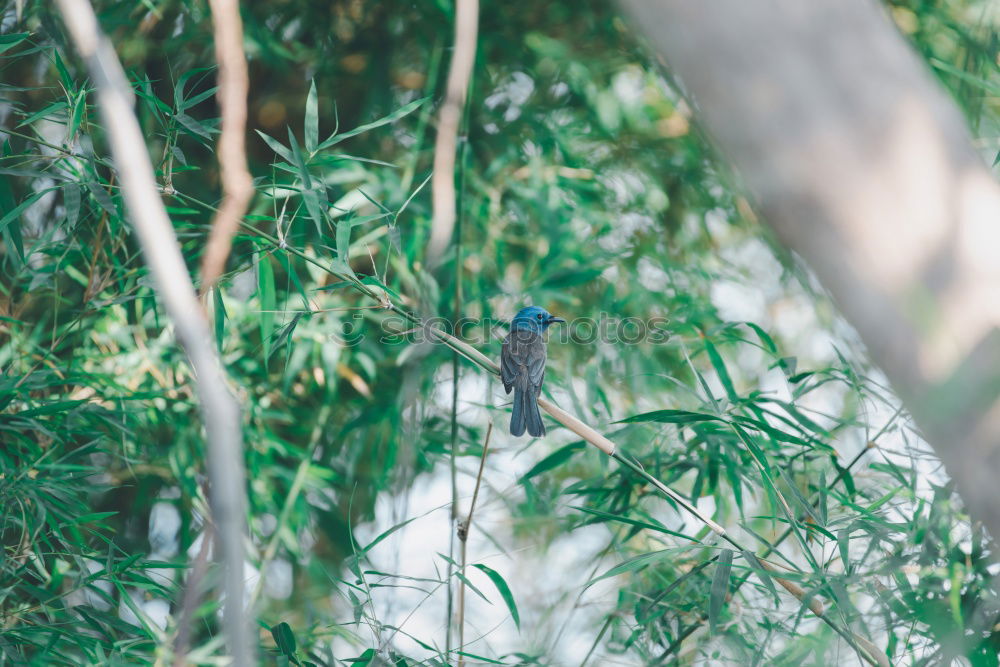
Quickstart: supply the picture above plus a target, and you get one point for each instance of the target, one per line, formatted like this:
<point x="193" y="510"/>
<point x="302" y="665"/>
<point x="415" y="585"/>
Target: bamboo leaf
<point x="265" y="289"/>
<point x="631" y="565"/>
<point x="12" y="40"/>
<point x="720" y="588"/>
<point x="554" y="460"/>
<point x="763" y="575"/>
<point x="670" y="417"/>
<point x="285" y="640"/>
<point x="311" y="127"/>
<point x="277" y="147"/>
<point x="14" y="214"/>
<point x="220" y="317"/>
<point x="505" y="593"/>
<point x="635" y="522"/>
<point x="391" y="118"/>
<point x="721" y="371"/>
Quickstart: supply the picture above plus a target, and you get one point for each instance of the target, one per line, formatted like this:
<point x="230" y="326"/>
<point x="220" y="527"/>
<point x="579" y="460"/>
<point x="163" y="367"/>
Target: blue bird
<point x="522" y="367"/>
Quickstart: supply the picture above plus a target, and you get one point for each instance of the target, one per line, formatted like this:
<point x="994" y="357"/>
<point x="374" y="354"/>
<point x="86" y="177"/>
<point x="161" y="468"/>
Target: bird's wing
<point x="535" y="365"/>
<point x="523" y="356"/>
<point x="508" y="366"/>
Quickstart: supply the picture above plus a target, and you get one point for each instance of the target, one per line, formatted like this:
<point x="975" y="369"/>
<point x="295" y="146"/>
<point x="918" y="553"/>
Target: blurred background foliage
<point x="585" y="187"/>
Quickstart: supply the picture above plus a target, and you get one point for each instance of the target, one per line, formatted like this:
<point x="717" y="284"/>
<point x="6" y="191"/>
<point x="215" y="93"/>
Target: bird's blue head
<point x="533" y="318"/>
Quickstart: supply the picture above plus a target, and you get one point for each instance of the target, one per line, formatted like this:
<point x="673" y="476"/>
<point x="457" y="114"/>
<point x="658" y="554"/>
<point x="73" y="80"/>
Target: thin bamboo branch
<point x="192" y="596"/>
<point x="455" y="373"/>
<point x="237" y="185"/>
<point x="446" y="144"/>
<point x="219" y="410"/>
<point x="463" y="534"/>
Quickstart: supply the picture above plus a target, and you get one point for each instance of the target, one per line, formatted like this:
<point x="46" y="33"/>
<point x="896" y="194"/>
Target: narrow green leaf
<point x="198" y="99"/>
<point x="64" y="76"/>
<point x="13" y="39"/>
<point x="285" y="639"/>
<point x="311" y="129"/>
<point x="47" y="111"/>
<point x="634" y="522"/>
<point x="479" y="658"/>
<point x="102" y="198"/>
<point x="299" y="161"/>
<point x="720" y="587"/>
<point x="364" y="658"/>
<point x="194" y="126"/>
<point x="342" y="262"/>
<point x="764" y="338"/>
<point x="798" y="495"/>
<point x="844" y="544"/>
<point x="277" y="147"/>
<point x="394" y="116"/>
<point x="372" y="280"/>
<point x="882" y="501"/>
<point x="182" y="82"/>
<point x="984" y="84"/>
<point x="220" y="317"/>
<point x="720" y="369"/>
<point x="465" y="580"/>
<point x="763" y="575"/>
<point x="285" y="333"/>
<point x="12" y="238"/>
<point x="670" y="417"/>
<point x="158" y="107"/>
<point x="51" y="408"/>
<point x="265" y="288"/>
<point x="14" y="214"/>
<point x="385" y="534"/>
<point x="554" y="460"/>
<point x="79" y="109"/>
<point x="311" y="198"/>
<point x="632" y="564"/>
<point x="845" y="476"/>
<point x="505" y="593"/>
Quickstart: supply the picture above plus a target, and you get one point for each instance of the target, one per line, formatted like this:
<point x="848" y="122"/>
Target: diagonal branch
<point x="237" y="185"/>
<point x="219" y="409"/>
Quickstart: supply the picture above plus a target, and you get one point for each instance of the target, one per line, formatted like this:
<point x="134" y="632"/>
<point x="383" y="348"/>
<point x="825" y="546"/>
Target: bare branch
<point x="443" y="185"/>
<point x="463" y="535"/>
<point x="192" y="596"/>
<point x="237" y="185"/>
<point x="860" y="162"/>
<point x="219" y="409"/>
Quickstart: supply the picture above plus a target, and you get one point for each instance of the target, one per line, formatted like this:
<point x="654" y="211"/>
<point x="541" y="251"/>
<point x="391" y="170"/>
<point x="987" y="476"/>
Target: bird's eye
<point x="539" y="316"/>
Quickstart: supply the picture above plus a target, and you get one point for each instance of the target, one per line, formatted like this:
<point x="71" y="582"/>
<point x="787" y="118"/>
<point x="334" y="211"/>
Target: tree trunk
<point x="862" y="165"/>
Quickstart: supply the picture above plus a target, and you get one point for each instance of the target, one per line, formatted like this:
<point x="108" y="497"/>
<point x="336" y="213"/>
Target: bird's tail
<point x="525" y="415"/>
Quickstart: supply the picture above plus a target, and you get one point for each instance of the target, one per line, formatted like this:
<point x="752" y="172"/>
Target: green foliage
<point x="583" y="188"/>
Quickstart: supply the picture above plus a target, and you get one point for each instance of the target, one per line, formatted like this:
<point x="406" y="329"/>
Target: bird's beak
<point x="553" y="320"/>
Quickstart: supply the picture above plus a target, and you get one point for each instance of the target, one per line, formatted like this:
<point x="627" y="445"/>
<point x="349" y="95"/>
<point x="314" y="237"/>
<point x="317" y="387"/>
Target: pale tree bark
<point x="862" y="165"/>
<point x="446" y="145"/>
<point x="175" y="290"/>
<point x="237" y="185"/>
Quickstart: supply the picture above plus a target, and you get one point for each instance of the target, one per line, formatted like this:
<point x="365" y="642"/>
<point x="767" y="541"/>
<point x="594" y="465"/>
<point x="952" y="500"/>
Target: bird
<point x="522" y="367"/>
